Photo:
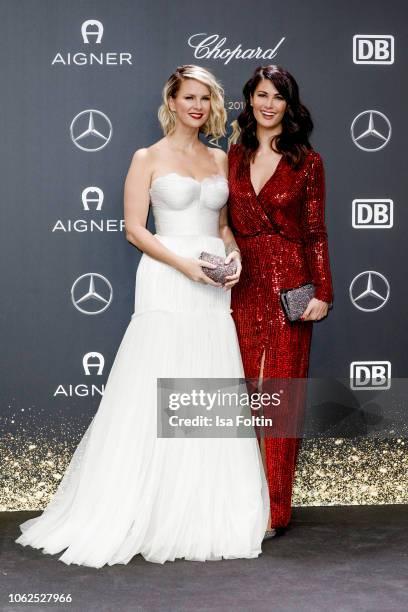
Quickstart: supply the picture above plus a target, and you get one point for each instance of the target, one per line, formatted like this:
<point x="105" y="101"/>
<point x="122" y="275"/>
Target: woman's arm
<point x="314" y="231"/>
<point x="136" y="209"/>
<point x="231" y="248"/>
<point x="225" y="230"/>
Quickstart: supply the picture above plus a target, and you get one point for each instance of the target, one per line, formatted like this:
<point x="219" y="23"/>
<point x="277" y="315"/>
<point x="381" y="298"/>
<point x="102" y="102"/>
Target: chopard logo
<point x="210" y="46"/>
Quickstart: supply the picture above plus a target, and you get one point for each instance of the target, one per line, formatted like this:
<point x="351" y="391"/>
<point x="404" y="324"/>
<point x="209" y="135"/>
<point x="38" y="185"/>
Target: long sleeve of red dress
<point x="282" y="236"/>
<point x="314" y="231"/>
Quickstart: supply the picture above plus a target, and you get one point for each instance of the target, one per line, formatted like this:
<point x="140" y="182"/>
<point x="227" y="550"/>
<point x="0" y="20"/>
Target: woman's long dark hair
<point x="297" y="123"/>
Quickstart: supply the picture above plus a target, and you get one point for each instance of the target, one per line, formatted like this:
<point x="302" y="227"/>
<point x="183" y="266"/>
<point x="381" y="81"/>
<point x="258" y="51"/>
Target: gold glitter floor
<point x="330" y="471"/>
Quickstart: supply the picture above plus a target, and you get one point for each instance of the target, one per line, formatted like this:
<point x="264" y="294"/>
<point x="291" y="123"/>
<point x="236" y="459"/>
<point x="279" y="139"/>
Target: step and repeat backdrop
<point x="82" y="83"/>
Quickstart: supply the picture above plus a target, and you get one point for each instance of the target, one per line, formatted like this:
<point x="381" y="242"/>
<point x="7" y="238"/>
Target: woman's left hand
<point x="315" y="310"/>
<point x="233" y="278"/>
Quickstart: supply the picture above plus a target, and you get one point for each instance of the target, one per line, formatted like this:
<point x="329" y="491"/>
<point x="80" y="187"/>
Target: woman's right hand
<point x="192" y="267"/>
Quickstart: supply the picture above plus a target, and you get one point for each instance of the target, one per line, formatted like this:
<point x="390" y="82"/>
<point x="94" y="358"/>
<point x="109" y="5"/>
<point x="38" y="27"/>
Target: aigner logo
<point x="209" y="47"/>
<point x="87" y="31"/>
<point x="91" y="293"/>
<point x="368" y="213"/>
<point x="370" y="375"/>
<point x="92" y="32"/>
<point x="87" y="196"/>
<point x="373" y="49"/>
<point x="91" y="361"/>
<point x="88" y="362"/>
<point x="369" y="291"/>
<point x="93" y="196"/>
<point x="371" y="130"/>
<point x="93" y="127"/>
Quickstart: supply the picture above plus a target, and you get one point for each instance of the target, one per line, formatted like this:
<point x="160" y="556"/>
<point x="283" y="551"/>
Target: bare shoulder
<point x="140" y="166"/>
<point x="220" y="158"/>
<point x="219" y="154"/>
<point x="145" y="159"/>
<point x="141" y="156"/>
<point x="148" y="154"/>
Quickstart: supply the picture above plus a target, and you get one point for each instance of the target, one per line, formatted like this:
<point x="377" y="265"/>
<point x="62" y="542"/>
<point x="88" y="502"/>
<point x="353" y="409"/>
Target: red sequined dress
<point x="282" y="236"/>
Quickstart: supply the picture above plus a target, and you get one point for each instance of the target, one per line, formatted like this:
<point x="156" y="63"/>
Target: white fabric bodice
<point x="184" y="206"/>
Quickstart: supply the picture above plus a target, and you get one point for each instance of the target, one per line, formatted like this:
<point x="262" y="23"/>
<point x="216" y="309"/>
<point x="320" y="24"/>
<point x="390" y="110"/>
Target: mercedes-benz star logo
<point x="83" y="128"/>
<point x="369" y="291"/>
<point x="84" y="293"/>
<point x="371" y="130"/>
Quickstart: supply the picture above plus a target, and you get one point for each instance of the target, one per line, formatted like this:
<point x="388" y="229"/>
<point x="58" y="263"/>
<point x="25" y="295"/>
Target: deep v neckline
<point x="267" y="181"/>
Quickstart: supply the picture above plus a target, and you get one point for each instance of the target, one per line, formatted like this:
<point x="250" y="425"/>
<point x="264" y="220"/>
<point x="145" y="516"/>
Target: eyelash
<point x="190" y="97"/>
<point x="263" y="95"/>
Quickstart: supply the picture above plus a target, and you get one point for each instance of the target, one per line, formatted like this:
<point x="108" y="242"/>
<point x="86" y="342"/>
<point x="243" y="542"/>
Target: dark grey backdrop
<point x="44" y="337"/>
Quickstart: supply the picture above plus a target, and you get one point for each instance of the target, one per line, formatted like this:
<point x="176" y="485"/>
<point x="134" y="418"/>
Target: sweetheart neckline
<point x="206" y="178"/>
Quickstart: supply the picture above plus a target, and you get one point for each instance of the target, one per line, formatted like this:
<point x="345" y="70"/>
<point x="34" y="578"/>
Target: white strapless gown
<point x="126" y="491"/>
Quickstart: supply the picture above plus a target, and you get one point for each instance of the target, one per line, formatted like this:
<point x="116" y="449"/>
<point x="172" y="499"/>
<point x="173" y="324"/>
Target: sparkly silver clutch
<point x="222" y="270"/>
<point x="295" y="300"/>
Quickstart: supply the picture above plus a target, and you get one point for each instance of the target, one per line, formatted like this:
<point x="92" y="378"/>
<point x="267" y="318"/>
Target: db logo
<point x="370" y="375"/>
<point x="373" y="49"/>
<point x="372" y="213"/>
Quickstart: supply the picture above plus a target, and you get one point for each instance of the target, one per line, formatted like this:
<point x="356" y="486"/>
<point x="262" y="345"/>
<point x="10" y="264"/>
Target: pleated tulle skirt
<point x="126" y="491"/>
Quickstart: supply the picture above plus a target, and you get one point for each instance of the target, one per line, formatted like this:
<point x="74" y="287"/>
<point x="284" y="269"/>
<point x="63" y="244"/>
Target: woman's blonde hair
<point x="235" y="134"/>
<point x="215" y="125"/>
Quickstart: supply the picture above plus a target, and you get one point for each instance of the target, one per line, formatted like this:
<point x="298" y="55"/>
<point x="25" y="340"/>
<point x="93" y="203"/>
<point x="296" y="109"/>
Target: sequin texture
<point x="282" y="236"/>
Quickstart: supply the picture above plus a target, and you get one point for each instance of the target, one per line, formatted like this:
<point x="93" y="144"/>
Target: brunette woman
<point x="276" y="212"/>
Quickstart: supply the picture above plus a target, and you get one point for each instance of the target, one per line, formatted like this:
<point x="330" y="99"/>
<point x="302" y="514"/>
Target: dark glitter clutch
<point x="295" y="300"/>
<point x="222" y="270"/>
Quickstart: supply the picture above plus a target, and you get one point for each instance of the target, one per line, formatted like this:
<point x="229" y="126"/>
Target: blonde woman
<point x="126" y="490"/>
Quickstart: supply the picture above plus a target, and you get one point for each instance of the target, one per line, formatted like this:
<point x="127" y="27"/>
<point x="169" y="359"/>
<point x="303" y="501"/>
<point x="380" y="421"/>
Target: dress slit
<point x="261" y="439"/>
<point x="282" y="237"/>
